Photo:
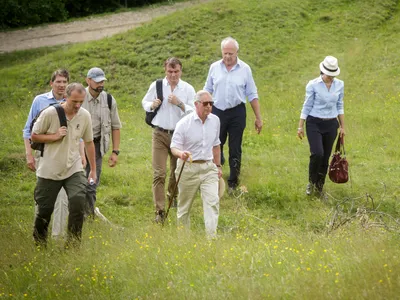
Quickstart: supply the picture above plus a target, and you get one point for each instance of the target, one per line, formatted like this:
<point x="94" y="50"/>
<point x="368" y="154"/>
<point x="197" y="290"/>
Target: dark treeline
<point x="17" y="13"/>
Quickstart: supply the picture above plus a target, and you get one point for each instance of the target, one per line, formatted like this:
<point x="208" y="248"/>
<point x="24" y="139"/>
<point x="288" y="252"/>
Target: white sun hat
<point x="330" y="66"/>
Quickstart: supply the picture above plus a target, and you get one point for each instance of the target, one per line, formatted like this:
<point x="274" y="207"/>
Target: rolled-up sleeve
<point x="308" y="101"/>
<point x="149" y="97"/>
<point x="189" y="103"/>
<point x="251" y="88"/>
<point x="115" y="121"/>
<point x="32" y="114"/>
<point x="209" y="85"/>
<point x="340" y="103"/>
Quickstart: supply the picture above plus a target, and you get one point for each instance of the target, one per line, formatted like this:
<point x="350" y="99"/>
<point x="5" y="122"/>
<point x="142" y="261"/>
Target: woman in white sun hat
<point x="323" y="112"/>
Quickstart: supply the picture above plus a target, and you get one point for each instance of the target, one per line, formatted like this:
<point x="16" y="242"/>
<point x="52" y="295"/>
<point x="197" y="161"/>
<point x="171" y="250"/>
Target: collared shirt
<point x="169" y="114"/>
<point x="199" y="138"/>
<point x="94" y="105"/>
<point x="321" y="102"/>
<point x="61" y="158"/>
<point x="229" y="89"/>
<point x="40" y="102"/>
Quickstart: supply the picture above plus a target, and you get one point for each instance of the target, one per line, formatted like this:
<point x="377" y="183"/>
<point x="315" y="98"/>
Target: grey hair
<point x="200" y="94"/>
<point x="75" y="86"/>
<point x="228" y="40"/>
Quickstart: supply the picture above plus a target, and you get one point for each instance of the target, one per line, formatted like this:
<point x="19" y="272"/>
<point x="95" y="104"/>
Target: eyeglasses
<point x="205" y="103"/>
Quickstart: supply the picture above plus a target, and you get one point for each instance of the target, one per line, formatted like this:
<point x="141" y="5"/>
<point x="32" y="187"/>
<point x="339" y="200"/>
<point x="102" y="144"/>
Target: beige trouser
<point x="60" y="214"/>
<point x="205" y="177"/>
<point x="161" y="150"/>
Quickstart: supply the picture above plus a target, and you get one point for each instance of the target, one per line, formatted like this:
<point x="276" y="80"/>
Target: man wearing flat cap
<point x="106" y="127"/>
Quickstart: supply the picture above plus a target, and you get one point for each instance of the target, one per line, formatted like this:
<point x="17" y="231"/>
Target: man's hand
<point x="258" y="124"/>
<point x="185" y="155"/>
<point x="62" y="131"/>
<point x="92" y="176"/>
<point x="173" y="99"/>
<point x="156" y="103"/>
<point x="219" y="172"/>
<point x="112" y="161"/>
<point x="300" y="132"/>
<point x="30" y="162"/>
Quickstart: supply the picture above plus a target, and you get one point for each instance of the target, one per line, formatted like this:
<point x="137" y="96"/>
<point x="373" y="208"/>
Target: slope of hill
<point x="272" y="239"/>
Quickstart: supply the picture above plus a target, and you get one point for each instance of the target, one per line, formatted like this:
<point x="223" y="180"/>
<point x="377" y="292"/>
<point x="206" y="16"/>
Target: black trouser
<point x="233" y="122"/>
<point x="46" y="192"/>
<point x="321" y="134"/>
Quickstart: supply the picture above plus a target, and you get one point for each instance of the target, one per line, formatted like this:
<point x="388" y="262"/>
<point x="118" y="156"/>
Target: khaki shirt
<point x="61" y="159"/>
<point x="103" y="120"/>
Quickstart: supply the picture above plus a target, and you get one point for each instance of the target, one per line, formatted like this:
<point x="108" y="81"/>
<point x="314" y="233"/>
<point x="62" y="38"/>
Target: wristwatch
<point x="116" y="152"/>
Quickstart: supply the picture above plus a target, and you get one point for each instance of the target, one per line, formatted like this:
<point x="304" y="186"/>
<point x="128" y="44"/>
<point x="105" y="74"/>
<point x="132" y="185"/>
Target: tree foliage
<point x="18" y="13"/>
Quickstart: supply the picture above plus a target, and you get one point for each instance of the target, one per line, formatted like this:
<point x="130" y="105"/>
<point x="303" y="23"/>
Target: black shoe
<point x="160" y="217"/>
<point x="309" y="189"/>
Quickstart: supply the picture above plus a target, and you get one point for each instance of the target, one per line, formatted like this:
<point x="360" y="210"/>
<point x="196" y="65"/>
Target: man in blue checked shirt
<point x="58" y="83"/>
<point x="230" y="81"/>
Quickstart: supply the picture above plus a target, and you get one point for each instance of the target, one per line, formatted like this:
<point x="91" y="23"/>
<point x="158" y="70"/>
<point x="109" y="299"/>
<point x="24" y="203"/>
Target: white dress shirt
<point x="199" y="138"/>
<point x="169" y="114"/>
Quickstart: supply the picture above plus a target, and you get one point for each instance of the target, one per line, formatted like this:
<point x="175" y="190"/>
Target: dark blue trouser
<point x="321" y="136"/>
<point x="91" y="189"/>
<point x="45" y="194"/>
<point x="233" y="123"/>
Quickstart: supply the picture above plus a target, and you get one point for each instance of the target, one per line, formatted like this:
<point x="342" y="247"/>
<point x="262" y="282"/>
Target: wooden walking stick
<point x="171" y="198"/>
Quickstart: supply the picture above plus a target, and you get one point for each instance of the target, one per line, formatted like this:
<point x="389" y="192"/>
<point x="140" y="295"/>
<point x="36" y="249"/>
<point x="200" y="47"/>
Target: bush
<point x="18" y="13"/>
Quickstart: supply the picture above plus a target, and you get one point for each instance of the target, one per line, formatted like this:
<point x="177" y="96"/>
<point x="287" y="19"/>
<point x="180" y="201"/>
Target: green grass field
<point x="274" y="242"/>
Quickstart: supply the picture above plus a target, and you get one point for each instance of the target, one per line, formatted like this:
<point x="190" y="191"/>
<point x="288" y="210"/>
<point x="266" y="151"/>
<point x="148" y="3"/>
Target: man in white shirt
<point x="177" y="101"/>
<point x="197" y="137"/>
<point x="231" y="82"/>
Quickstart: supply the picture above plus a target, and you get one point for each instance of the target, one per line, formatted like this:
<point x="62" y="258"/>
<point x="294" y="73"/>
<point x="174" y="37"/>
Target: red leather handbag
<point x="339" y="167"/>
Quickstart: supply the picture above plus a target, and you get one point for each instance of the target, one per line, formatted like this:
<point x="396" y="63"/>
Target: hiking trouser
<point x="203" y="176"/>
<point x="161" y="142"/>
<point x="60" y="215"/>
<point x="45" y="195"/>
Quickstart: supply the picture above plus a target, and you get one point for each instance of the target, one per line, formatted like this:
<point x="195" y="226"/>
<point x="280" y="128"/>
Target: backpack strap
<point x="159" y="92"/>
<point x="109" y="101"/>
<point x="61" y="115"/>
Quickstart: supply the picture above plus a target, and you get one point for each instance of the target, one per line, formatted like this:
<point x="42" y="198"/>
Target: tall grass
<point x="272" y="239"/>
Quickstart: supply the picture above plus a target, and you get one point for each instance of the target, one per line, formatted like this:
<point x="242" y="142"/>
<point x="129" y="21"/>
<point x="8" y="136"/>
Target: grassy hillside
<point x="274" y="241"/>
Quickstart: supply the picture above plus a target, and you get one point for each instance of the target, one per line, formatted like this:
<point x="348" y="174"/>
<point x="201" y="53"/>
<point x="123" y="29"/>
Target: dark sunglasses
<point x="205" y="103"/>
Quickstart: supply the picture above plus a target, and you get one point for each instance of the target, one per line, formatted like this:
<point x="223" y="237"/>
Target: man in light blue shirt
<point x="230" y="81"/>
<point x="58" y="83"/>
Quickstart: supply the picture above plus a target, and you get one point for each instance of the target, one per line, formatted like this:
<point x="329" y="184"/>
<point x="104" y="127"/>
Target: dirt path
<point x="93" y="28"/>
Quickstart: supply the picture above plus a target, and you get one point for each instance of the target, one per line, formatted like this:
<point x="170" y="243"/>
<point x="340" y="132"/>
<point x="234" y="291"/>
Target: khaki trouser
<point x="161" y="142"/>
<point x="205" y="177"/>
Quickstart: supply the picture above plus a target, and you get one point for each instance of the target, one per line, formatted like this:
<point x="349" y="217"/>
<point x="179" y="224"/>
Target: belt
<point x="327" y="119"/>
<point x="97" y="139"/>
<point x="165" y="130"/>
<point x="200" y="161"/>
